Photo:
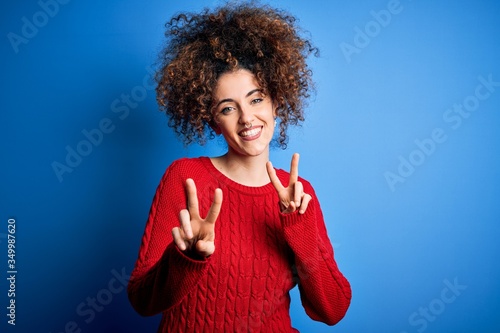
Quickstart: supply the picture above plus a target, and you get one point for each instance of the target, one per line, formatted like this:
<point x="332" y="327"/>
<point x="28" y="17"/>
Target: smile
<point x="251" y="133"/>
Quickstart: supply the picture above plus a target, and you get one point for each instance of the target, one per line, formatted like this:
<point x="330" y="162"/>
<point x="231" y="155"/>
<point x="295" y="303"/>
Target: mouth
<point x="250" y="133"/>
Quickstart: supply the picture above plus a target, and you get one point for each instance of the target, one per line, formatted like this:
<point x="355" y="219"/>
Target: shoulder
<point x="186" y="163"/>
<point x="184" y="168"/>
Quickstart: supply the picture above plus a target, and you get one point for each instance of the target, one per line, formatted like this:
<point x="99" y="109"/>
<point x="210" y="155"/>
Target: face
<point x="239" y="101"/>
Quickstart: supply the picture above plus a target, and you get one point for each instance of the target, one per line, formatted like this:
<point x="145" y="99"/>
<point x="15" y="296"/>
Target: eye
<point x="227" y="110"/>
<point x="256" y="100"/>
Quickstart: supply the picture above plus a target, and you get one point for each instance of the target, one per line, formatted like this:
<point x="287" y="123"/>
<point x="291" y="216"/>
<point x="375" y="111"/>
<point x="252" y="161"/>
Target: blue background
<point x="400" y="245"/>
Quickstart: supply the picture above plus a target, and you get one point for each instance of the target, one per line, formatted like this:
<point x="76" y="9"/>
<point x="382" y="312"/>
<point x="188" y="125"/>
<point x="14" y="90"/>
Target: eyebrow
<point x="251" y="92"/>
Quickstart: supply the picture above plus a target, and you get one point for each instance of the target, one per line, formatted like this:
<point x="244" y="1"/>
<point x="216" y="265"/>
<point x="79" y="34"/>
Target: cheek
<point x="267" y="113"/>
<point x="226" y="129"/>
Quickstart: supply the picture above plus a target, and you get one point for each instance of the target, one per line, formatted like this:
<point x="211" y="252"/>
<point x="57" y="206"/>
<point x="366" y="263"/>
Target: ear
<point x="275" y="109"/>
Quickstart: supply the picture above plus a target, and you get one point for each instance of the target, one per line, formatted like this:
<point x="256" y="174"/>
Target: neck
<point x="245" y="170"/>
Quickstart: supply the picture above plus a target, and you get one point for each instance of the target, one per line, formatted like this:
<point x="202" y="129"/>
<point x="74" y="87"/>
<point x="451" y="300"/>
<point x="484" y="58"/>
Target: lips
<point x="250" y="133"/>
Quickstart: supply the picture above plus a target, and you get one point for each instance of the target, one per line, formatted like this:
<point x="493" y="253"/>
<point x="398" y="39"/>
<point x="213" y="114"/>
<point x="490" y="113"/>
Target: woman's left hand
<point x="293" y="196"/>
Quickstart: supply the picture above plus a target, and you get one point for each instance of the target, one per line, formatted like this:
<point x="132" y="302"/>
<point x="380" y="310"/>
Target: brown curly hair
<point x="201" y="47"/>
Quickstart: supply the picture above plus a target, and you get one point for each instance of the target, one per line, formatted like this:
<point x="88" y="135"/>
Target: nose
<point x="246" y="115"/>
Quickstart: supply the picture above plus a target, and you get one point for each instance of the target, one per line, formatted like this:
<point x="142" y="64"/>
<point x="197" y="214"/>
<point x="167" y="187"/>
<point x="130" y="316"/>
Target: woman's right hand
<point x="196" y="235"/>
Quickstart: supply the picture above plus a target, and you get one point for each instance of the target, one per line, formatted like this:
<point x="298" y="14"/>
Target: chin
<point x="254" y="151"/>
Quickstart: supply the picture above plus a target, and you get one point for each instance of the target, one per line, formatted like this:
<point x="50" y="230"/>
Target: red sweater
<point x="260" y="254"/>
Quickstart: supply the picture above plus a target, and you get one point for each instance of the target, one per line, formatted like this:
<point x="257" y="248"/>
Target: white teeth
<point x="251" y="132"/>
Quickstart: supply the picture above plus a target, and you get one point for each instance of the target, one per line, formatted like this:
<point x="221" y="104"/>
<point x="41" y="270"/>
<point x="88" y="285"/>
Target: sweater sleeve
<point x="325" y="293"/>
<point x="163" y="275"/>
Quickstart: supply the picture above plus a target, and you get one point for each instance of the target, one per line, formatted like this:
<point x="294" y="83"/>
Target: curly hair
<point x="200" y="47"/>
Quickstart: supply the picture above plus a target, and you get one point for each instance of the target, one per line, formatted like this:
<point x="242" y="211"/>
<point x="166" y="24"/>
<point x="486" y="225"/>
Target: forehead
<point x="235" y="83"/>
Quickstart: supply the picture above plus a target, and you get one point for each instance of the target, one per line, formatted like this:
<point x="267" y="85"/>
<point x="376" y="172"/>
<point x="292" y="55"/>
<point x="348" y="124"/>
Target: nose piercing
<point x="248" y="124"/>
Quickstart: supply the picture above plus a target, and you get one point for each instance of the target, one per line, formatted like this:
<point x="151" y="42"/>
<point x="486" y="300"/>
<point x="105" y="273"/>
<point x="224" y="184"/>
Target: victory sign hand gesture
<point x="293" y="196"/>
<point x="196" y="234"/>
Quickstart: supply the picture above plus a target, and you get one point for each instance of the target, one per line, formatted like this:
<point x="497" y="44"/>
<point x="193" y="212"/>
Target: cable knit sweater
<point x="260" y="254"/>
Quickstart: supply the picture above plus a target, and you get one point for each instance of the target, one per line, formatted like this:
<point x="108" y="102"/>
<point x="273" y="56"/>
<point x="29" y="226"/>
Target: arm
<point x="163" y="274"/>
<point x="325" y="292"/>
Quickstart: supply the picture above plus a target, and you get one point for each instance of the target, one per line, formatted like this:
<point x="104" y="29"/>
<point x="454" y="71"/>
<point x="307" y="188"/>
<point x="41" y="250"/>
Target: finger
<point x="185" y="220"/>
<point x="273" y="177"/>
<point x="176" y="233"/>
<point x="298" y="193"/>
<point x="291" y="208"/>
<point x="294" y="169"/>
<point x="192" y="199"/>
<point x="305" y="203"/>
<point x="214" y="210"/>
<point x="205" y="248"/>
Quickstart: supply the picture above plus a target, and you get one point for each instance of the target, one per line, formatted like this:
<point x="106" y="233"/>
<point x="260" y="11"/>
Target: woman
<point x="229" y="236"/>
